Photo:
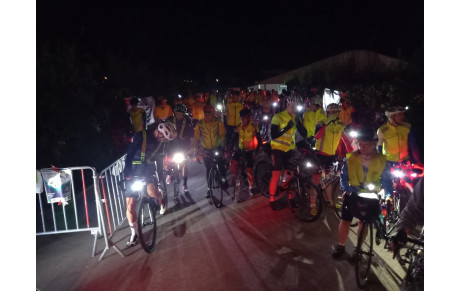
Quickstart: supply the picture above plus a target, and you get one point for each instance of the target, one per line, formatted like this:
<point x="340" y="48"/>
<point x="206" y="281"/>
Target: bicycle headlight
<point x="265" y="117"/>
<point x="299" y="107"/>
<point x="398" y="174"/>
<point x="353" y="134"/>
<point x="178" y="158"/>
<point x="370" y="187"/>
<point x="219" y="106"/>
<point x="216" y="153"/>
<point x="368" y="195"/>
<point x="413" y="175"/>
<point x="309" y="165"/>
<point x="275" y="104"/>
<point x="137" y="185"/>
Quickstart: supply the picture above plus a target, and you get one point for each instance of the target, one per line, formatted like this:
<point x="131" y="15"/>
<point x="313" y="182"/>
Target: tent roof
<point x="361" y="59"/>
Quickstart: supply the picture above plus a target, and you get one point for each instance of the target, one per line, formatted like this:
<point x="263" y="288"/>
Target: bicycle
<point x="179" y="159"/>
<point x="215" y="181"/>
<point x="240" y="178"/>
<point x="414" y="258"/>
<point x="146" y="212"/>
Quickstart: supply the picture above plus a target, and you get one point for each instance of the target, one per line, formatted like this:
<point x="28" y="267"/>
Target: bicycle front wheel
<point x="311" y="202"/>
<point x="363" y="254"/>
<point x="147" y="223"/>
<point x="214" y="188"/>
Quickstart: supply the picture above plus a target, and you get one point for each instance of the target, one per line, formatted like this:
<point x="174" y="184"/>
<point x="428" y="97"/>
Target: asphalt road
<point x="244" y="246"/>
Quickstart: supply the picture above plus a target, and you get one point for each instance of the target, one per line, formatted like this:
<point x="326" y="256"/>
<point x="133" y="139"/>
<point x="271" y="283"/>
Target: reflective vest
<point x="211" y="133"/>
<point x="330" y="140"/>
<point x="233" y="116"/>
<point x="136" y="119"/>
<point x="356" y="172"/>
<point x="395" y="141"/>
<point x="320" y="115"/>
<point x="285" y="142"/>
<point x="247" y="137"/>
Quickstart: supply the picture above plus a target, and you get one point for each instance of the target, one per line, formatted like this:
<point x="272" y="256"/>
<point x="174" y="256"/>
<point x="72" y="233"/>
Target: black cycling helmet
<point x="180" y="108"/>
<point x="367" y="134"/>
<point x="134" y="101"/>
<point x="245" y="112"/>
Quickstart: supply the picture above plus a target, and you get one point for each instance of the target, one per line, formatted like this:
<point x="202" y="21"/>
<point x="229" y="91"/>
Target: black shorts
<point x="247" y="156"/>
<point x="282" y="160"/>
<point x="326" y="162"/>
<point x="348" y="202"/>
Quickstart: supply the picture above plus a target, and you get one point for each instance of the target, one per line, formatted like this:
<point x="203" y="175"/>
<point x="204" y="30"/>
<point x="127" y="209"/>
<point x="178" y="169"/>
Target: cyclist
<point x="163" y="111"/>
<point x="313" y="116"/>
<point x="197" y="109"/>
<point x="138" y="120"/>
<point x="182" y="143"/>
<point x="234" y="106"/>
<point x="329" y="141"/>
<point x="249" y="141"/>
<point x="283" y="129"/>
<point x="211" y="132"/>
<point x="345" y="109"/>
<point x="364" y="166"/>
<point x="411" y="216"/>
<point x="263" y="119"/>
<point x="153" y="143"/>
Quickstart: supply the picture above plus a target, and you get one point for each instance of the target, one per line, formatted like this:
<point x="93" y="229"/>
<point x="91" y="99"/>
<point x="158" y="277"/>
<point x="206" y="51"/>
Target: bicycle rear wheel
<point x="147" y="223"/>
<point x="363" y="255"/>
<point x="215" y="189"/>
<point x="311" y="202"/>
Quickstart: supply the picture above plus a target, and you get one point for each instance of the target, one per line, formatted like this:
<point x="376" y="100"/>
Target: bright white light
<point x="219" y="107"/>
<point x="407" y="107"/>
<point x="353" y="133"/>
<point x="309" y="165"/>
<point x="180" y="96"/>
<point x="216" y="153"/>
<point x="178" y="158"/>
<point x="369" y="195"/>
<point x="299" y="107"/>
<point x="398" y="174"/>
<point x="275" y="104"/>
<point x="413" y="175"/>
<point x="370" y="187"/>
<point x="217" y="80"/>
<point x="265" y="117"/>
<point x="313" y="148"/>
<point x="137" y="186"/>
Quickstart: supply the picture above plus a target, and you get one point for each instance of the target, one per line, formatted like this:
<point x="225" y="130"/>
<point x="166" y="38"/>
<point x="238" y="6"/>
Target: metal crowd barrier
<point x="83" y="211"/>
<point x="114" y="203"/>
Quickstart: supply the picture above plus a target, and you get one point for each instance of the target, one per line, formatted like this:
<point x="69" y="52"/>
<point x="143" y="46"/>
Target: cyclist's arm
<point x="347" y="143"/>
<point x="301" y="128"/>
<point x="344" y="181"/>
<point x="275" y="131"/>
<point x="412" y="215"/>
<point x="196" y="137"/>
<point x="413" y="148"/>
<point x="380" y="141"/>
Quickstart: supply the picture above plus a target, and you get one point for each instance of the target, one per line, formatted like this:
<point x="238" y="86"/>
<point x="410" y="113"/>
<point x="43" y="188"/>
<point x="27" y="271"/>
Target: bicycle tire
<point x="363" y="255"/>
<point x="338" y="202"/>
<point x="147" y="223"/>
<point x="176" y="175"/>
<point x="216" y="191"/>
<point x="305" y="210"/>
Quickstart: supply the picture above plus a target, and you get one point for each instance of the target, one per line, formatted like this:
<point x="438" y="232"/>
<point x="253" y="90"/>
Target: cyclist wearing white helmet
<point x="283" y="129"/>
<point x="314" y="115"/>
<point x="330" y="142"/>
<point x="154" y="140"/>
<point x="396" y="139"/>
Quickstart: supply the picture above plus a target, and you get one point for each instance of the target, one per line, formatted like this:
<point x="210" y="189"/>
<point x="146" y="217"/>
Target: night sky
<point x="249" y="39"/>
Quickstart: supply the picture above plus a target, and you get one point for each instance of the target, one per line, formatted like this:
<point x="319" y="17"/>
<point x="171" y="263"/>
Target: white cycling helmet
<point x="292" y="100"/>
<point x="333" y="107"/>
<point x="394" y="109"/>
<point x="168" y="130"/>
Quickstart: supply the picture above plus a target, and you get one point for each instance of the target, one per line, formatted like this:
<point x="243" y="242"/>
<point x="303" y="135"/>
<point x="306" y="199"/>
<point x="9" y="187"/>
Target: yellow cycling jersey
<point x="374" y="172"/>
<point x="212" y="134"/>
<point x="286" y="142"/>
<point x="136" y="118"/>
<point x="247" y="136"/>
<point x="395" y="141"/>
<point x="162" y="113"/>
<point x="233" y="110"/>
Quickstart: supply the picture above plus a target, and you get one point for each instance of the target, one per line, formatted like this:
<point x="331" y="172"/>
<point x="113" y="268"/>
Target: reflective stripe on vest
<point x="356" y="172"/>
<point x="285" y="142"/>
<point x="247" y="137"/>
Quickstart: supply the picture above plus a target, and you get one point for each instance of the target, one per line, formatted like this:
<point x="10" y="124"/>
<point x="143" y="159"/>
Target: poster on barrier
<point x="57" y="185"/>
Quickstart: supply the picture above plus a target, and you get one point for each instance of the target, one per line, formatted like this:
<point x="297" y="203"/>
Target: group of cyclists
<point x="270" y="122"/>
